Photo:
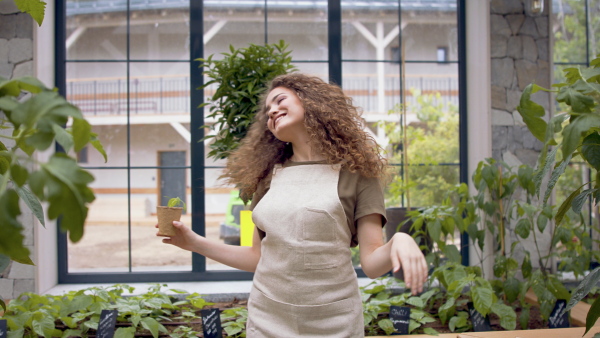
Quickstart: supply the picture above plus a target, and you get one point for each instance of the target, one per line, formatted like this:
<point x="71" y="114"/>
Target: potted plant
<point x="241" y="77"/>
<point x="169" y="213"/>
<point x="571" y="134"/>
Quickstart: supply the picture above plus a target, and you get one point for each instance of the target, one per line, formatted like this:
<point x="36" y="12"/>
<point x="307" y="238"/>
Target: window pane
<point x="302" y="25"/>
<point x="222" y="211"/>
<point x="427" y="26"/>
<point x="104" y="246"/>
<point x="234" y="23"/>
<point x="369" y="31"/>
<point x="100" y="91"/>
<point x="569" y="31"/>
<point x="96" y="30"/>
<point x="148" y="189"/>
<point x="160" y="33"/>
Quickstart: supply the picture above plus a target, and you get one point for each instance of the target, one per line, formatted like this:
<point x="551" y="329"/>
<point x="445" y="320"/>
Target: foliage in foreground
<point x="32" y="119"/>
<point x="571" y="134"/>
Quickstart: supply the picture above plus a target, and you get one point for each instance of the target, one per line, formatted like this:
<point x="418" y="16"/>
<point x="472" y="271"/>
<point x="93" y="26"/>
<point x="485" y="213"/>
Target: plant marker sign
<point x="400" y="317"/>
<point x="2" y="328"/>
<point x="211" y="323"/>
<point x="480" y="323"/>
<point x="106" y="325"/>
<point x="559" y="318"/>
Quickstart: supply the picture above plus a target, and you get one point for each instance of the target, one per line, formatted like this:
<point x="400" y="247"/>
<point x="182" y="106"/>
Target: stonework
<point x="16" y="60"/>
<point x="520" y="55"/>
<point x="526" y="59"/>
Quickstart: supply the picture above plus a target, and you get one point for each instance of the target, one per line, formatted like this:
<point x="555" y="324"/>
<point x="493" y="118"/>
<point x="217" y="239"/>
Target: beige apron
<point x="305" y="284"/>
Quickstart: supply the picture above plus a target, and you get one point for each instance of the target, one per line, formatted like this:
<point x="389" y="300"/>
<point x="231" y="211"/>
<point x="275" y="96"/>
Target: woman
<point x="313" y="175"/>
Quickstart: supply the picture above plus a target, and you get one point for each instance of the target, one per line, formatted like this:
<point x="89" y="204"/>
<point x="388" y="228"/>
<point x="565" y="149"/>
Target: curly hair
<point x="333" y="123"/>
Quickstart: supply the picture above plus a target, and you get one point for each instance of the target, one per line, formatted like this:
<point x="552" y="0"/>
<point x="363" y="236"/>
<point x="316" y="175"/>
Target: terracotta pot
<point x="166" y="216"/>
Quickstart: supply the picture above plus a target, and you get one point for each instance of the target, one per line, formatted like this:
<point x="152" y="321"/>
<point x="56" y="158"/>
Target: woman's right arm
<point x="240" y="257"/>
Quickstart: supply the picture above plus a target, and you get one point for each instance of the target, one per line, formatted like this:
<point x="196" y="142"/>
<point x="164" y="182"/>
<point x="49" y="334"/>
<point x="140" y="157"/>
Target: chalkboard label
<point x="106" y="325"/>
<point x="3" y="328"/>
<point x="211" y="323"/>
<point x="557" y="318"/>
<point x="400" y="317"/>
<point x="480" y="323"/>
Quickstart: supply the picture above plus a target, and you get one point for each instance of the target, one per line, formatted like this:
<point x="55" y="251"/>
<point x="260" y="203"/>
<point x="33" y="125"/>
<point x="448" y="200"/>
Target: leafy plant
<point x="33" y="119"/>
<point x="569" y="135"/>
<point x="241" y="77"/>
<point x="377" y="298"/>
<point x="234" y="321"/>
<point x="78" y="312"/>
<point x="175" y="202"/>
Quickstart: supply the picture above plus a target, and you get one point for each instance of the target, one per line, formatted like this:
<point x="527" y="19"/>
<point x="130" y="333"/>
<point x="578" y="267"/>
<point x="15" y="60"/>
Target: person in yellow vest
<point x="314" y="177"/>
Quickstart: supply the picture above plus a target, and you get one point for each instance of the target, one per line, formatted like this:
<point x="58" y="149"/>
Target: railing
<point x="170" y="94"/>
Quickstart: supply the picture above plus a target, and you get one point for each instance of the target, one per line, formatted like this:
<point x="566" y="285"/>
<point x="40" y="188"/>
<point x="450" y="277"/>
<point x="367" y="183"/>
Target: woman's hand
<point x="405" y="254"/>
<point x="184" y="238"/>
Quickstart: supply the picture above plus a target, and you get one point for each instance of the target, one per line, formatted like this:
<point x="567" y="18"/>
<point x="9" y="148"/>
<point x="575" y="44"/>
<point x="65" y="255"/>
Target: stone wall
<point x="521" y="54"/>
<point x="520" y="51"/>
<point x="16" y="60"/>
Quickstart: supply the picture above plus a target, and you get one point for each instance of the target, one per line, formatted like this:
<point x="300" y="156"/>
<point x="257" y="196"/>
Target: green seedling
<point x="175" y="202"/>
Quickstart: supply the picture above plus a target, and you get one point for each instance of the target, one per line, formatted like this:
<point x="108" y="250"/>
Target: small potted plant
<point x="167" y="214"/>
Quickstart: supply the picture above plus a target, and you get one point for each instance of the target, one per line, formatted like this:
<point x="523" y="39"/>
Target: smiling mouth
<point x="277" y="119"/>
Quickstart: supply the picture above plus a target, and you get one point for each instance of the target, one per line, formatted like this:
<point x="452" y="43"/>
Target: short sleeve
<point x="369" y="199"/>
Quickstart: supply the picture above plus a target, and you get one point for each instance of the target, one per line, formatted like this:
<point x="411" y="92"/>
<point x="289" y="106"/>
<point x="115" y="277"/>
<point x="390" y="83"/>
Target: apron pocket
<point x="319" y="239"/>
<point x="339" y="319"/>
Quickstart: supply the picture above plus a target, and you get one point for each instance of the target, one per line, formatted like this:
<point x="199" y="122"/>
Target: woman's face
<point x="285" y="114"/>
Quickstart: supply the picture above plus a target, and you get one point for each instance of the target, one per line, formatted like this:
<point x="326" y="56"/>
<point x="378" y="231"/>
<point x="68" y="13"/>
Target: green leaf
<point x="386" y="325"/>
<point x="63" y="137"/>
<point x="590" y="150"/>
<point x="19" y="174"/>
<point x="82" y="133"/>
<point x="556" y="173"/>
<point x="526" y="266"/>
<point x="98" y="146"/>
<point x="580" y="200"/>
<point x="451" y="252"/>
<point x="68" y="193"/>
<point x="2" y="304"/>
<point x="35" y="8"/>
<point x="512" y="286"/>
<point x="43" y="325"/>
<point x="584" y="288"/>
<point x="153" y="326"/>
<point x="457" y="321"/>
<point x="508" y="317"/>
<point x="73" y="333"/>
<point x="125" y="332"/>
<point x="522" y="228"/>
<point x="482" y="299"/>
<point x="32" y="202"/>
<point x="574" y="131"/>
<point x="532" y="113"/>
<point x="592" y="315"/>
<point x="11" y="241"/>
<point x="542" y="222"/>
<point x="524" y="318"/>
<point x="416" y="301"/>
<point x="565" y="206"/>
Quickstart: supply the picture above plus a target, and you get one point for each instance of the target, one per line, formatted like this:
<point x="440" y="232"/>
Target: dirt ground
<point x="104" y="247"/>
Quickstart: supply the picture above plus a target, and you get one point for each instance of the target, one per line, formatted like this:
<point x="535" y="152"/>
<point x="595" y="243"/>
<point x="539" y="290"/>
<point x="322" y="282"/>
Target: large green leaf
<point x="32" y="202"/>
<point x="512" y="287"/>
<point x="590" y="150"/>
<point x="578" y="101"/>
<point x="482" y="299"/>
<point x="67" y="193"/>
<point x="532" y="113"/>
<point x="11" y="241"/>
<point x="592" y="315"/>
<point x="508" y="317"/>
<point x="82" y="133"/>
<point x="584" y="287"/>
<point x="523" y="227"/>
<point x="573" y="133"/>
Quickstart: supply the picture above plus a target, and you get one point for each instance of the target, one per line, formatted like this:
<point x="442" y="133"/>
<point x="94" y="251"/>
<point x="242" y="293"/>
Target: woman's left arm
<point x="377" y="258"/>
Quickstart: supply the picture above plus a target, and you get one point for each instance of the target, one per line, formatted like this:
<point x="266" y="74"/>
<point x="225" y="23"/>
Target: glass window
<point x="130" y="66"/>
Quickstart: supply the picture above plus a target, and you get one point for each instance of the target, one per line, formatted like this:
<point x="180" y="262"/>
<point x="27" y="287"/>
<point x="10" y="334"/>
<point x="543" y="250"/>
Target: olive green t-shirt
<point x="359" y="195"/>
